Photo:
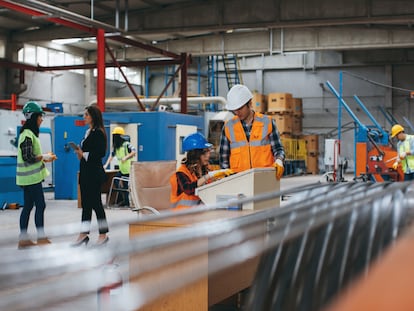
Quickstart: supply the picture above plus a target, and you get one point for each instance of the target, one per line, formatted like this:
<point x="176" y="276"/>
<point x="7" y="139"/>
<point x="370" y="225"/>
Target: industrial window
<point x="113" y="73"/>
<point x="2" y="49"/>
<point x="37" y="55"/>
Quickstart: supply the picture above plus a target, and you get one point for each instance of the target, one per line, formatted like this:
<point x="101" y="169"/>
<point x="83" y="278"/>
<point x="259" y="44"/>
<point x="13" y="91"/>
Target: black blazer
<point x="92" y="171"/>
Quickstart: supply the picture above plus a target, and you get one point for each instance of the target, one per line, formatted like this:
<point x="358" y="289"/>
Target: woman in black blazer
<point x="92" y="175"/>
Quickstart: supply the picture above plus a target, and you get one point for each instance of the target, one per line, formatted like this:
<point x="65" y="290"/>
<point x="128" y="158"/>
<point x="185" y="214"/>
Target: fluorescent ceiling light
<point x="66" y="41"/>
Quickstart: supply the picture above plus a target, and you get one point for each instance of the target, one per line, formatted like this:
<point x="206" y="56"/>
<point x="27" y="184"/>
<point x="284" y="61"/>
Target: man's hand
<point x="278" y="165"/>
<point x="403" y="155"/>
<point x="395" y="165"/>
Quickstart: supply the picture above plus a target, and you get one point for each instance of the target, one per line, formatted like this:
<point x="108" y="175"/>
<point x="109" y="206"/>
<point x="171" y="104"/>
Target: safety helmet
<point x="118" y="130"/>
<point x="195" y="141"/>
<point x="31" y="107"/>
<point x="396" y="129"/>
<point x="238" y="96"/>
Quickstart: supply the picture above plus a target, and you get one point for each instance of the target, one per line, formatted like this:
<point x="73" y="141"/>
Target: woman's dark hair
<point x="97" y="120"/>
<point x="193" y="162"/>
<point x="31" y="124"/>
<point x="117" y="141"/>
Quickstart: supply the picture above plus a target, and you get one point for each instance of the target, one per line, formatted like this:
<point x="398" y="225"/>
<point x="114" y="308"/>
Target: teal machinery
<point x="156" y="141"/>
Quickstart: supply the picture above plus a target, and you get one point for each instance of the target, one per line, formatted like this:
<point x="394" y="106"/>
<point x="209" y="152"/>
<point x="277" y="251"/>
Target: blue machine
<point x="67" y="129"/>
<point x="9" y="192"/>
<point x="156" y="140"/>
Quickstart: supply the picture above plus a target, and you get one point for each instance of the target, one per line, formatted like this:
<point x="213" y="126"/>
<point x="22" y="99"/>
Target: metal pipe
<point x="120" y="102"/>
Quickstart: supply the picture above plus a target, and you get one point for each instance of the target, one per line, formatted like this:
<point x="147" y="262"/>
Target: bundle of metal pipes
<point x="307" y="250"/>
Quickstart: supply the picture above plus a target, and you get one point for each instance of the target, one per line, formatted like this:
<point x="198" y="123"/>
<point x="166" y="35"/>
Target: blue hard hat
<point x="195" y="141"/>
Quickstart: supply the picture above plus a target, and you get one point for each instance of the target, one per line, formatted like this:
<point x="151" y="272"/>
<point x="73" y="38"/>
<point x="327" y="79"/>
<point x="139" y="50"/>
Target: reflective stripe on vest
<point x="254" y="153"/>
<point x="405" y="146"/>
<point x="182" y="200"/>
<point x="30" y="173"/>
<point x="120" y="153"/>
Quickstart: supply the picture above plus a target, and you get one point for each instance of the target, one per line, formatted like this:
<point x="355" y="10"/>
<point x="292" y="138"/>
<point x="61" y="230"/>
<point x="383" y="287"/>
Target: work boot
<point x="25" y="244"/>
<point x="43" y="241"/>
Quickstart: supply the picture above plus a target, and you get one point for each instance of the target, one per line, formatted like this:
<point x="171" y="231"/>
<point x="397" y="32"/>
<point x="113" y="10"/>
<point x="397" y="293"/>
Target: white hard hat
<point x="238" y="96"/>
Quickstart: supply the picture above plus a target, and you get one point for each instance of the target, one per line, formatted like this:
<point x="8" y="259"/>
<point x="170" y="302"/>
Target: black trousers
<point x="92" y="201"/>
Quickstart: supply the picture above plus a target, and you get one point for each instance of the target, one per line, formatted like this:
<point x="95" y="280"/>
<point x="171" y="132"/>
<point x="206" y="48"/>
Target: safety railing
<point x="308" y="250"/>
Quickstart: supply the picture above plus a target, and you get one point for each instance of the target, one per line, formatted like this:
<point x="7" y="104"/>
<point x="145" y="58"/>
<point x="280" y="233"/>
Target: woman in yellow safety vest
<point x="124" y="151"/>
<point x="30" y="173"/>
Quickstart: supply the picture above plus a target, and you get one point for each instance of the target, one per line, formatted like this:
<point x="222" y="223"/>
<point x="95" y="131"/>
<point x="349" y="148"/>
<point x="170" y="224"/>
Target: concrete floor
<point x="61" y="213"/>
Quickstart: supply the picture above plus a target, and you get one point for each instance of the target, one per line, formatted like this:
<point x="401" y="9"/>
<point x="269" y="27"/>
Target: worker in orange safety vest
<point x="193" y="172"/>
<point x="249" y="139"/>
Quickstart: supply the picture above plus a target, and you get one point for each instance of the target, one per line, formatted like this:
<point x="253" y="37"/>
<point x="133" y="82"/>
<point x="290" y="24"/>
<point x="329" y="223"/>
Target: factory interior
<point x="333" y="233"/>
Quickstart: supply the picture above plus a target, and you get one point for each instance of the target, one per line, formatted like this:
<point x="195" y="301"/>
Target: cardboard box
<point x="284" y="123"/>
<point x="244" y="184"/>
<point x="297" y="107"/>
<point x="280" y="102"/>
<point x="312" y="143"/>
<point x="259" y="102"/>
<point x="296" y="125"/>
<point x="312" y="164"/>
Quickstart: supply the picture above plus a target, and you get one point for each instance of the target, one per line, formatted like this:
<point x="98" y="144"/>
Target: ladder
<point x="231" y="70"/>
<point x="212" y="78"/>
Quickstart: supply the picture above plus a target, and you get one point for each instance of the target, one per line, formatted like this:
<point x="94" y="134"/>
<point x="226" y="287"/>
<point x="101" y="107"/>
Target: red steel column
<point x="184" y="61"/>
<point x="100" y="88"/>
<point x="13" y="102"/>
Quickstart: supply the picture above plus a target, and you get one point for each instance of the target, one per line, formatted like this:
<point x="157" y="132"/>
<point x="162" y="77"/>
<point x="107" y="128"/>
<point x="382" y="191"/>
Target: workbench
<point x="211" y="289"/>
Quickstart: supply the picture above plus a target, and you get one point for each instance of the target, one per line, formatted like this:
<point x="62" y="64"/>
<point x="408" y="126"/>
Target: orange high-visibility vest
<point x="254" y="153"/>
<point x="182" y="200"/>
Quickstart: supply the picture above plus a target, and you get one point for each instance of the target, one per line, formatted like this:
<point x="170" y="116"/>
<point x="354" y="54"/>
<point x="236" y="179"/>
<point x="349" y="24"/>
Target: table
<point x="207" y="291"/>
<point x="248" y="183"/>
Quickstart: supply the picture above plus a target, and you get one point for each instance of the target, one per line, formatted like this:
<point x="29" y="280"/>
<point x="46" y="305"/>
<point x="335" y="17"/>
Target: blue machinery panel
<point x="9" y="192"/>
<point x="156" y="140"/>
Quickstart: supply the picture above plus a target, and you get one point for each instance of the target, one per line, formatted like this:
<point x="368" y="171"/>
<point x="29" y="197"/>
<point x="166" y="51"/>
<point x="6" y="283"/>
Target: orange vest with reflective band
<point x="254" y="153"/>
<point x="182" y="200"/>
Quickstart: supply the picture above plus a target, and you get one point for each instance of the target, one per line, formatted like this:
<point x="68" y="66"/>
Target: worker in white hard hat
<point x="250" y="139"/>
<point x="405" y="149"/>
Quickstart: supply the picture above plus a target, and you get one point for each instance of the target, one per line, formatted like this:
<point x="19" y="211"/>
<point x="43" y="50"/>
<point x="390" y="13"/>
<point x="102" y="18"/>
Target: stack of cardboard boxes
<point x="312" y="158"/>
<point x="287" y="111"/>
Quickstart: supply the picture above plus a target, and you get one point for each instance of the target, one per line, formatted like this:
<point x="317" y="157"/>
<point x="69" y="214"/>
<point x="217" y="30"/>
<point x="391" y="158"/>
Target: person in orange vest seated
<point x="193" y="172"/>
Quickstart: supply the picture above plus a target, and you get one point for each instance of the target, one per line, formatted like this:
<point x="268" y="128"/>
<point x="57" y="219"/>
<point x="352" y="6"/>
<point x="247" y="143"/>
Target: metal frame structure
<point x="373" y="152"/>
<point x="102" y="32"/>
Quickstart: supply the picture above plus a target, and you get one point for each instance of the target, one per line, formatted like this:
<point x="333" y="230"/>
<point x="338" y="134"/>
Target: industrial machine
<point x="374" y="154"/>
<point x="156" y="135"/>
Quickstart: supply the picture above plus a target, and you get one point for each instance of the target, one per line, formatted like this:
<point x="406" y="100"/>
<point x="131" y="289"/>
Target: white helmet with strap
<point x="238" y="96"/>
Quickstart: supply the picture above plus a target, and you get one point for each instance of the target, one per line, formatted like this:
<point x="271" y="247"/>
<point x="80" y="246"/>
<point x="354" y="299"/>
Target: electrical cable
<point x="377" y="83"/>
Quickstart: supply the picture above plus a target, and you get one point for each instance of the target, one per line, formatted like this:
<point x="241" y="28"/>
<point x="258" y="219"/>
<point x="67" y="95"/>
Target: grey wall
<point x="61" y="86"/>
<point x="370" y="83"/>
<point x="320" y="107"/>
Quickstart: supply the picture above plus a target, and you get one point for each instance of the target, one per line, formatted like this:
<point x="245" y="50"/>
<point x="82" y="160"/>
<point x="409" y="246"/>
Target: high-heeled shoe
<point x="80" y="242"/>
<point x="101" y="243"/>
